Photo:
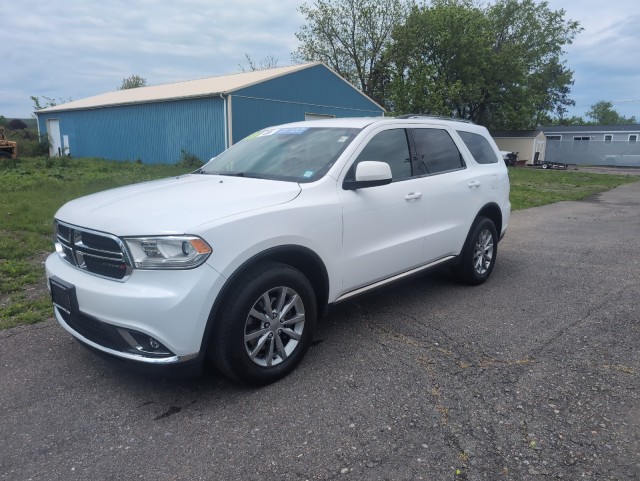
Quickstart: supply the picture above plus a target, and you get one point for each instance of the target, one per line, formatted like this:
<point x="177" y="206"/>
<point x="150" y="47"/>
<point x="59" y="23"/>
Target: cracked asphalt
<point x="531" y="376"/>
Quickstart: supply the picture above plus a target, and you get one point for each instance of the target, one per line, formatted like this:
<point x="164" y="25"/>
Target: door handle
<point x="474" y="184"/>
<point x="413" y="196"/>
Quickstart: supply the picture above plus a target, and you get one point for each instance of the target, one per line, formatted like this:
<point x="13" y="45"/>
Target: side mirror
<point x="369" y="174"/>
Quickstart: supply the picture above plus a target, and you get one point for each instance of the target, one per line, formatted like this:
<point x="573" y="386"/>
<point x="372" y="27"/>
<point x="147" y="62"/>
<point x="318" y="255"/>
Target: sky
<point x="72" y="49"/>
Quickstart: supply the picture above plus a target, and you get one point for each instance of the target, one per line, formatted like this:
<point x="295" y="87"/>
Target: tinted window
<point x="389" y="146"/>
<point x="479" y="148"/>
<point x="436" y="151"/>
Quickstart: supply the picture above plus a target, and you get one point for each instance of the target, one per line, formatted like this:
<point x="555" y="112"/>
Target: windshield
<point x="297" y="154"/>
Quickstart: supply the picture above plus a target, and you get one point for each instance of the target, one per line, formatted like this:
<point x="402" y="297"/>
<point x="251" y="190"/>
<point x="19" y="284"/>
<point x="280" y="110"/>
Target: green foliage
<point x="16" y="124"/>
<point x="23" y="309"/>
<point x="46" y="102"/>
<point x="602" y="113"/>
<point x="498" y="65"/>
<point x="351" y="37"/>
<point x="31" y="190"/>
<point x="132" y="82"/>
<point x="189" y="160"/>
<point x="29" y="143"/>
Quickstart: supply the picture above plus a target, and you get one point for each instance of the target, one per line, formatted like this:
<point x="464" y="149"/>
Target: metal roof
<point x="515" y="134"/>
<point x="205" y="87"/>
<point x="557" y="129"/>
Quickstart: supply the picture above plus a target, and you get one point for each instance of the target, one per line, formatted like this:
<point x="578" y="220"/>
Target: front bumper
<point x="169" y="307"/>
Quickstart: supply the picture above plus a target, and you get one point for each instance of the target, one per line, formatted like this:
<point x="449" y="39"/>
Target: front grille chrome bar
<point x="98" y="253"/>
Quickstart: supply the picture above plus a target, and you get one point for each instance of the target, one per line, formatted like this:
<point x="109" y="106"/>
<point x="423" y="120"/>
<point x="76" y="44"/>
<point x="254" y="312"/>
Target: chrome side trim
<point x="389" y="280"/>
<point x="123" y="355"/>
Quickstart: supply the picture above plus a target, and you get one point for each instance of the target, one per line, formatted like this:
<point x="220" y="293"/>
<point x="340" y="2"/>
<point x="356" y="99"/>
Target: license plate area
<point x="63" y="295"/>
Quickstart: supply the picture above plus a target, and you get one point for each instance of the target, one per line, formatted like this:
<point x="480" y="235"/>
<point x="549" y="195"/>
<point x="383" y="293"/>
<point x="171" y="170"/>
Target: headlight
<point x="167" y="252"/>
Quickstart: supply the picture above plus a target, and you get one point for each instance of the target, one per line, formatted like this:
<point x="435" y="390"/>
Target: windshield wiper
<point x="234" y="173"/>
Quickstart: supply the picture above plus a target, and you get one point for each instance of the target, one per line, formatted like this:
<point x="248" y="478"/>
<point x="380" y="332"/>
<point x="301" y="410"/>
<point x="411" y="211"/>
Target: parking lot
<point x="534" y="375"/>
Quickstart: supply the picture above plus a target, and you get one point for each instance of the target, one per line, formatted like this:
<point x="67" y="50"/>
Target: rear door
<point x="450" y="188"/>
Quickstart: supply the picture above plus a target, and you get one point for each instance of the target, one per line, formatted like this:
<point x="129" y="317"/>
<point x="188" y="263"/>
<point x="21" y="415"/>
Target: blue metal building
<point x="202" y="117"/>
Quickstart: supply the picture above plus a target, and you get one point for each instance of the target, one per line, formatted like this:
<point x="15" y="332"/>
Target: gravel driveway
<point x="531" y="376"/>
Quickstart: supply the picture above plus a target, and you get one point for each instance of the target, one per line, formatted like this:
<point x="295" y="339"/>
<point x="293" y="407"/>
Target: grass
<point x="535" y="187"/>
<point x="31" y="190"/>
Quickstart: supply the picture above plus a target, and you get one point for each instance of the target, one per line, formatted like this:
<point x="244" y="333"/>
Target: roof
<point x="590" y="128"/>
<point x="515" y="134"/>
<point x="205" y="87"/>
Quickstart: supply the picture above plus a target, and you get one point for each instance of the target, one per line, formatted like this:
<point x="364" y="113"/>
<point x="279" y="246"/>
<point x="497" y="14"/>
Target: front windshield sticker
<point x="267" y="132"/>
<point x="291" y="131"/>
<point x="343" y="138"/>
<point x="308" y="174"/>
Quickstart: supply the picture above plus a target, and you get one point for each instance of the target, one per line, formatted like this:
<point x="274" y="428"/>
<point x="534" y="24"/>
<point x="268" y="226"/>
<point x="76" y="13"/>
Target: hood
<point x="174" y="206"/>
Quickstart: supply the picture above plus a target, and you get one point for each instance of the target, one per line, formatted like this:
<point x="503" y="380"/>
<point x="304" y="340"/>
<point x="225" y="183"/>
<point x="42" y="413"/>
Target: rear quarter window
<point x="479" y="147"/>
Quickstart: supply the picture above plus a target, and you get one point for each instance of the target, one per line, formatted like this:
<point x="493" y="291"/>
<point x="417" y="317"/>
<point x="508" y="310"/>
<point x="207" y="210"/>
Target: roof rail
<point x="437" y="117"/>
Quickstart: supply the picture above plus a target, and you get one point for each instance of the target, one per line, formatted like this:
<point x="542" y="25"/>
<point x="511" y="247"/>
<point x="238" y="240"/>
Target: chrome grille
<point x="96" y="252"/>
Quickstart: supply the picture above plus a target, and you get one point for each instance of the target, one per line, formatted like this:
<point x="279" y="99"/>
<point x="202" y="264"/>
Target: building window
<point x="608" y="138"/>
<point x="580" y="145"/>
<point x="554" y="137"/>
<point x="633" y="138"/>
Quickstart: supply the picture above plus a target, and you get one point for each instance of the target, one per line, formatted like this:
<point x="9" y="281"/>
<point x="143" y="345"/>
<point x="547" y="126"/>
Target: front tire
<point x="479" y="253"/>
<point x="265" y="325"/>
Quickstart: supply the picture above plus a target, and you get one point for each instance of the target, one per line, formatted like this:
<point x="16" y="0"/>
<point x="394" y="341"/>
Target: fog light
<point x="143" y="343"/>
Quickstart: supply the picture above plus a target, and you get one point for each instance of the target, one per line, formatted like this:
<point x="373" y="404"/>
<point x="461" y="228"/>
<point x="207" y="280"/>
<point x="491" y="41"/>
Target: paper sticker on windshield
<point x="343" y="138"/>
<point x="291" y="131"/>
<point x="264" y="133"/>
<point x="308" y="174"/>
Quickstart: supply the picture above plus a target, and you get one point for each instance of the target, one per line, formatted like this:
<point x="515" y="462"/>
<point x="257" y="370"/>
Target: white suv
<point x="237" y="260"/>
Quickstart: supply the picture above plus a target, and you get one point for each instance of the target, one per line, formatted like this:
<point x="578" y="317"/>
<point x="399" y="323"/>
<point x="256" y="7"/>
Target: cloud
<point x="608" y="69"/>
<point x="74" y="49"/>
<point x="604" y="56"/>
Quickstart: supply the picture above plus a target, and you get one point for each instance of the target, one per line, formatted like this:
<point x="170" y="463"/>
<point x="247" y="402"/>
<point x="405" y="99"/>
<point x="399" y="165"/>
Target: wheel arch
<point x="299" y="257"/>
<point x="491" y="211"/>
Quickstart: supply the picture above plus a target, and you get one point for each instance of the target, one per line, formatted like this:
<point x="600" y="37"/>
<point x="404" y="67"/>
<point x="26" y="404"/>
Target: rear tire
<point x="479" y="253"/>
<point x="265" y="324"/>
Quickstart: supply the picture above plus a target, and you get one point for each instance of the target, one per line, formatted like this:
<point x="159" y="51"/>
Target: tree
<point x="17" y="124"/>
<point x="351" y="37"/>
<point x="602" y="113"/>
<point x="270" y="61"/>
<point x="498" y="65"/>
<point x="46" y="102"/>
<point x="132" y="82"/>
